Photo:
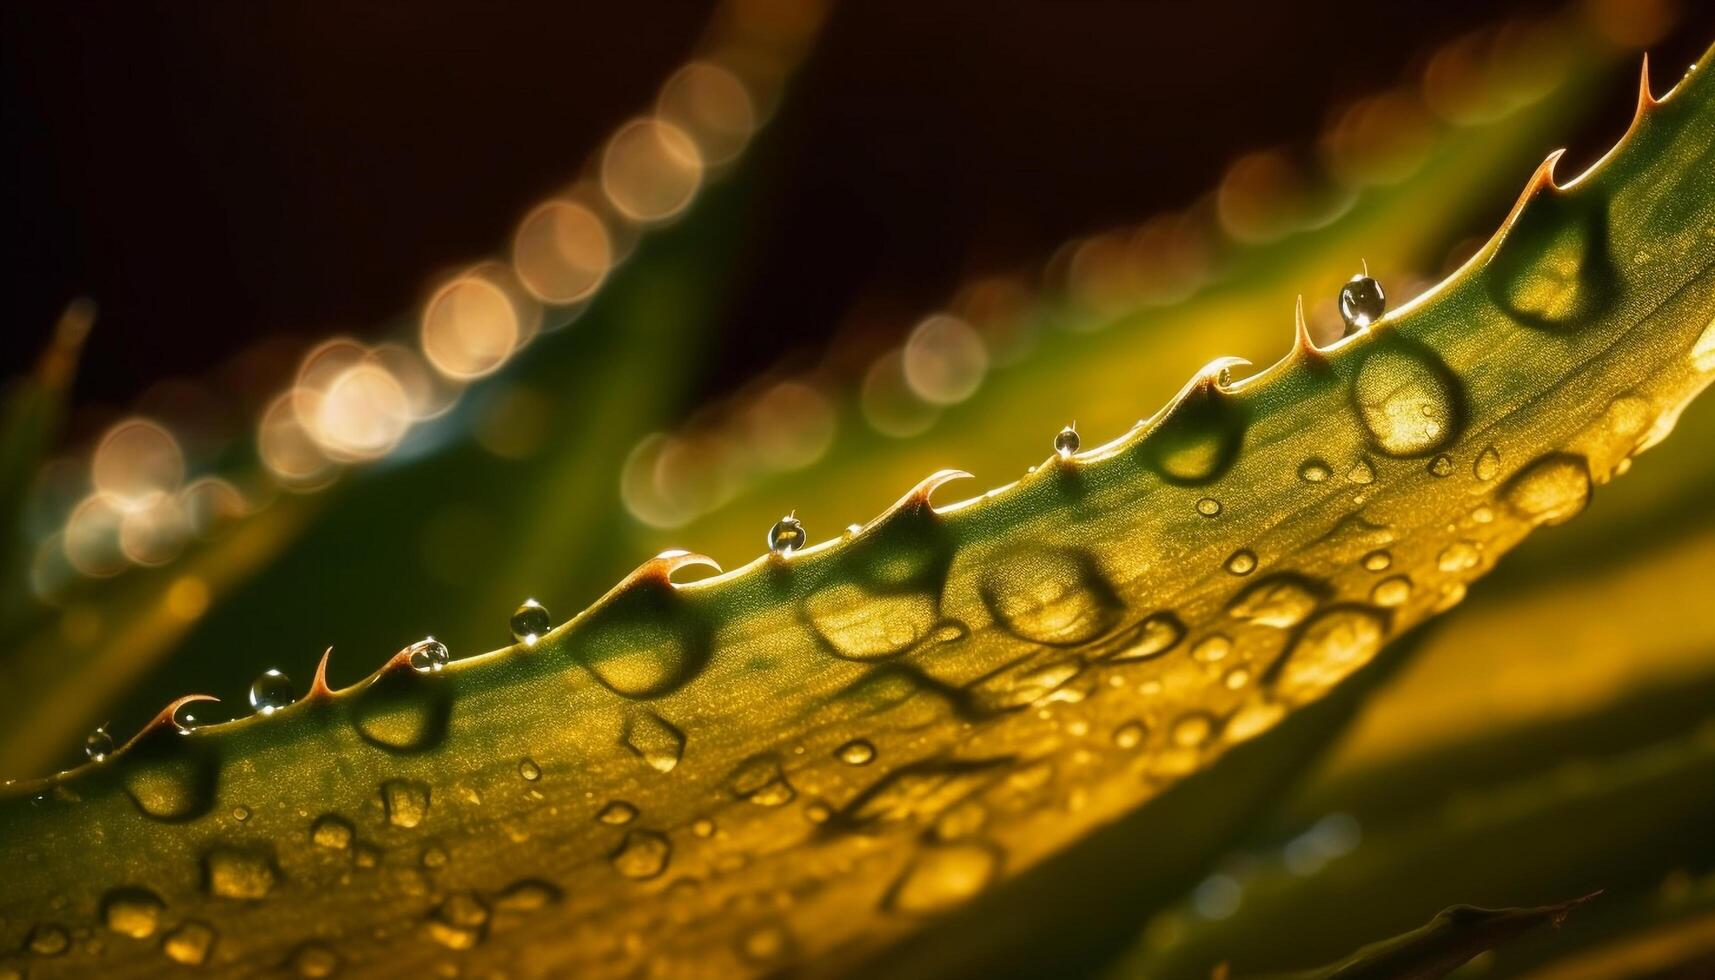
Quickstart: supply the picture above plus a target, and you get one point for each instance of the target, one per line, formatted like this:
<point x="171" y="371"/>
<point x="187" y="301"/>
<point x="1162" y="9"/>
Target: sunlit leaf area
<point x="785" y="488"/>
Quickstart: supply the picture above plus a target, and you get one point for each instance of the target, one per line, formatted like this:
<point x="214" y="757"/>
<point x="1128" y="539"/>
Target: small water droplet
<point x="47" y="939"/>
<point x="1458" y="556"/>
<point x="1391" y="591"/>
<point x="527" y="895"/>
<point x="787" y="535"/>
<point x="529" y="622"/>
<point x="132" y="911"/>
<point x="230" y="872"/>
<point x="1209" y="507"/>
<point x="99" y="745"/>
<point x="943" y="876"/>
<point x="1378" y="561"/>
<point x="189" y="944"/>
<point x="332" y="831"/>
<point x="405" y="801"/>
<point x="428" y="654"/>
<point x="643" y="854"/>
<point x="1362" y="302"/>
<point x="241" y="813"/>
<point x="1066" y="441"/>
<point x="1441" y="465"/>
<point x="183" y="720"/>
<point x="459" y="922"/>
<point x="703" y="827"/>
<point x="1130" y="735"/>
<point x="1487" y="465"/>
<point x="1211" y="648"/>
<point x="654" y="739"/>
<point x="1314" y="471"/>
<point x="857" y="752"/>
<point x="1551" y="490"/>
<point x="528" y="768"/>
<point x="270" y="692"/>
<point x="765" y="944"/>
<point x="761" y="781"/>
<point x="1241" y="562"/>
<point x="435" y="856"/>
<point x="1237" y="678"/>
<point x="314" y="960"/>
<point x="617" y="813"/>
<point x="1192" y="729"/>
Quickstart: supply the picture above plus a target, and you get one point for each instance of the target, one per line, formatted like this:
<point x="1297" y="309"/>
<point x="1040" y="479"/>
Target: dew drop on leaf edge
<point x="270" y="692"/>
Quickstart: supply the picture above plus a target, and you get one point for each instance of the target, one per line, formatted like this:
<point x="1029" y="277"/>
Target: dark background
<point x="212" y="173"/>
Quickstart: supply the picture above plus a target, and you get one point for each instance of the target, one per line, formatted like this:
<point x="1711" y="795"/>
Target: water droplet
<point x="1553" y="271"/>
<point x="1211" y="648"/>
<point x="761" y="781"/>
<point x="618" y="813"/>
<point x="1328" y="649"/>
<point x="962" y="820"/>
<point x="1458" y="556"/>
<point x="1066" y="441"/>
<point x="818" y="812"/>
<point x="528" y="768"/>
<point x="184" y="721"/>
<point x="1361" y="472"/>
<point x="920" y="792"/>
<point x="1487" y="465"/>
<point x="703" y="827"/>
<point x="459" y="922"/>
<point x="365" y="855"/>
<point x="1391" y="591"/>
<point x="654" y="739"/>
<point x="402" y="711"/>
<point x="1199" y="438"/>
<point x="643" y="642"/>
<point x="527" y="895"/>
<point x="99" y="745"/>
<point x="332" y="831"/>
<point x="1551" y="490"/>
<point x="1056" y="596"/>
<point x="529" y="622"/>
<point x="1378" y="561"/>
<point x="1281" y="601"/>
<point x="642" y="855"/>
<point x="943" y="876"/>
<point x="1192" y="729"/>
<point x="1209" y="507"/>
<point x="230" y="872"/>
<point x="1024" y="684"/>
<point x="1314" y="471"/>
<point x="857" y="752"/>
<point x="132" y="911"/>
<point x="1441" y="465"/>
<point x="1407" y="399"/>
<point x="189" y="944"/>
<point x="787" y="535"/>
<point x="314" y="960"/>
<point x="428" y="654"/>
<point x="764" y="944"/>
<point x="241" y="813"/>
<point x="1153" y="636"/>
<point x="1130" y="735"/>
<point x="435" y="856"/>
<point x="863" y="624"/>
<point x="47" y="939"/>
<point x="1241" y="562"/>
<point x="169" y="778"/>
<point x="1362" y="302"/>
<point x="270" y="692"/>
<point x="405" y="801"/>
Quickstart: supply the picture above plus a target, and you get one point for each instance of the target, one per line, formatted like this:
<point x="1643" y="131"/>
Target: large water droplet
<point x="787" y="535"/>
<point x="270" y="692"/>
<point x="1551" y="490"/>
<point x="529" y="622"/>
<point x="1199" y="438"/>
<point x="1327" y="650"/>
<point x="1282" y="600"/>
<point x="857" y="752"/>
<point x="132" y="911"/>
<point x="1066" y="441"/>
<point x="248" y="873"/>
<point x="402" y="711"/>
<point x="645" y="641"/>
<point x="654" y="739"/>
<point x="861" y="624"/>
<point x="405" y="801"/>
<point x="99" y="745"/>
<point x="1056" y="596"/>
<point x="189" y="944"/>
<point x="943" y="876"/>
<point x="643" y="855"/>
<point x="1407" y="400"/>
<point x="170" y="778"/>
<point x="760" y="780"/>
<point x="428" y="655"/>
<point x="1153" y="636"/>
<point x="1362" y="302"/>
<point x="332" y="831"/>
<point x="1553" y="271"/>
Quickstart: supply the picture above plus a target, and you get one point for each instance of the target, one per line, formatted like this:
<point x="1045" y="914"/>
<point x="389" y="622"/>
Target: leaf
<point x="810" y="757"/>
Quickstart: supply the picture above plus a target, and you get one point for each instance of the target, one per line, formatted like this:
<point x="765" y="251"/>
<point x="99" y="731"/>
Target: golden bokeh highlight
<point x="888" y="403"/>
<point x="92" y="537"/>
<point x="187" y="598"/>
<point x="562" y="252"/>
<point x="136" y="463"/>
<point x="428" y="393"/>
<point x="154" y="535"/>
<point x="790" y="426"/>
<point x="469" y="328"/>
<point x="711" y="105"/>
<point x="650" y="170"/>
<point x="945" y="360"/>
<point x="211" y="505"/>
<point x="362" y="415"/>
<point x="288" y="450"/>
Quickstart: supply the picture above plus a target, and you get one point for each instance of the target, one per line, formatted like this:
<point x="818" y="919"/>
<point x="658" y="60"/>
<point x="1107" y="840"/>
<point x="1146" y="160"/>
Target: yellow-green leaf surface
<point x="806" y="759"/>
